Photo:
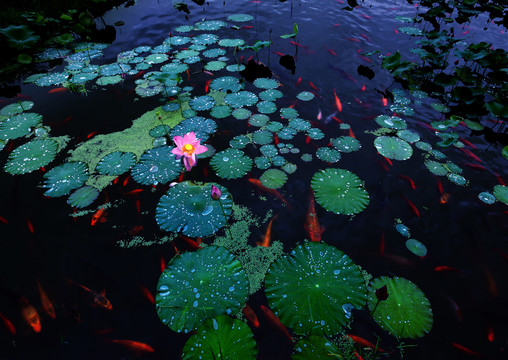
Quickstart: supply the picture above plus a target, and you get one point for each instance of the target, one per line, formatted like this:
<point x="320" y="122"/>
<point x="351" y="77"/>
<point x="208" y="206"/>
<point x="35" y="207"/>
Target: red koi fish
<point x="30" y="226"/>
<point x="351" y="133"/>
<point x="476" y="166"/>
<point x="8" y="324"/>
<point x="136" y="347"/>
<point x="363" y="87"/>
<point x="312" y="227"/>
<point x="385" y="101"/>
<point x="319" y="115"/>
<point x="500" y="179"/>
<point x="275" y="321"/>
<point x="31" y="317"/>
<point x="57" y="90"/>
<point x="268" y="234"/>
<point x="414" y="209"/>
<point x="313" y="86"/>
<point x="490" y="333"/>
<point x="445" y="268"/>
<point x="465" y="350"/>
<point x="3" y="220"/>
<point x="298" y="82"/>
<point x="99" y="216"/>
<point x="146" y="293"/>
<point x="250" y="315"/>
<point x="338" y="104"/>
<point x="409" y="180"/>
<point x="99" y="298"/>
<point x="47" y="305"/>
<point x="273" y="192"/>
<point x="92" y="134"/>
<point x="298" y="44"/>
<point x="366" y="16"/>
<point x="439" y="186"/>
<point x="162" y="263"/>
<point x="193" y="244"/>
<point x="207" y="85"/>
<point x="363" y="342"/>
<point x="471" y="155"/>
<point x="330" y="51"/>
<point x="468" y="143"/>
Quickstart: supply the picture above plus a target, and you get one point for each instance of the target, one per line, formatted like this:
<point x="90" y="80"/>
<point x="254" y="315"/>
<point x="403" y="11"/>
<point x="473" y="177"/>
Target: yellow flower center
<point x="188" y="149"/>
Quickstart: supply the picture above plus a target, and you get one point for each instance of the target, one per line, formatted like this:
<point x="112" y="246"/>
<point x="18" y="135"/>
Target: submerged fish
<point x="99" y="298"/>
<point x="268" y="234"/>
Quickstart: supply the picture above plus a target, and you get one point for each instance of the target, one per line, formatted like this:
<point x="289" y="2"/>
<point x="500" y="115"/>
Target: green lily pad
<point x="339" y="191"/>
<point x="220" y="111"/>
<point x="240" y="99"/>
<point x="157" y="165"/>
<point x="288" y="113"/>
<point x="313" y="289"/>
<point x="410" y="30"/>
<point x="202" y="128"/>
<point x="408" y="135"/>
<point x="215" y="65"/>
<point x="16" y="108"/>
<point x="200" y="285"/>
<point x="273" y="178"/>
<point x="231" y="42"/>
<point x="262" y="162"/>
<point x="31" y="156"/>
<point x="262" y="137"/>
<point x="406" y="313"/>
<point x="436" y="167"/>
<point x="221" y="338"/>
<point x="174" y="68"/>
<point x="501" y="193"/>
<point x="346" y="144"/>
<point x="457" y="179"/>
<point x="416" y="247"/>
<point x="210" y="25"/>
<point x="393" y="148"/>
<point x="286" y="133"/>
<point x="226" y="84"/>
<point x="474" y="125"/>
<point x="19" y="125"/>
<point x="240" y="17"/>
<point x="116" y="163"/>
<point x="305" y="96"/>
<point x="266" y="107"/>
<point x="299" y="124"/>
<point x="231" y="164"/>
<point x="20" y="36"/>
<point x="241" y="113"/>
<point x="440" y="107"/>
<point x="214" y="53"/>
<point x="108" y="80"/>
<point x="327" y="154"/>
<point x="83" y="197"/>
<point x="265" y="83"/>
<point x="201" y="103"/>
<point x="270" y="95"/>
<point x="391" y="122"/>
<point x="239" y="141"/>
<point x="258" y="120"/>
<point x="66" y="177"/>
<point x="315" y="134"/>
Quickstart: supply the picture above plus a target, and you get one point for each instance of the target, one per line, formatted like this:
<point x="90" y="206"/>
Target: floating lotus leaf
<point x="416" y="247"/>
<point x="220" y="111"/>
<point x="215" y="65"/>
<point x="327" y="154"/>
<point x="440" y="107"/>
<point x="423" y="146"/>
<point x="213" y="53"/>
<point x="83" y="197"/>
<point x="161" y="49"/>
<point x="189" y="208"/>
<point x="20" y="36"/>
<point x="274" y="126"/>
<point x="241" y="114"/>
<point x="299" y="124"/>
<point x="156" y="58"/>
<point x="259" y="120"/>
<point x="142" y="66"/>
<point x="290" y="168"/>
<point x="266" y="107"/>
<point x="262" y="137"/>
<point x="473" y="125"/>
<point x="288" y="113"/>
<point x="402" y="109"/>
<point x="315" y="134"/>
<point x="403" y="230"/>
<point x="200" y="285"/>
<point x="406" y="313"/>
<point x="270" y="95"/>
<point x="184" y="28"/>
<point x="239" y="141"/>
<point x="19" y="125"/>
<point x="269" y="150"/>
<point x="142" y="49"/>
<point x="240" y="17"/>
<point x="262" y="162"/>
<point x="457" y="179"/>
<point x="171" y="107"/>
<point x="83" y="77"/>
<point x="501" y="193"/>
<point x="185" y="54"/>
<point x="278" y="160"/>
<point x="197" y="47"/>
<point x="210" y="25"/>
<point x="306" y="157"/>
<point x="410" y="30"/>
<point x="235" y="67"/>
<point x="346" y="144"/>
<point x="313" y="289"/>
<point x="147" y="88"/>
<point x="391" y="122"/>
<point x="408" y="135"/>
<point x="221" y="338"/>
<point x="16" y="108"/>
<point x="74" y="67"/>
<point x="116" y="163"/>
<point x="66" y="177"/>
<point x="436" y="168"/>
<point x="52" y="54"/>
<point x="157" y="165"/>
<point x="205" y="39"/>
<point x="437" y="154"/>
<point x="265" y="83"/>
<point x="273" y="178"/>
<point x="114" y="69"/>
<point x="31" y="156"/>
<point x="189" y="113"/>
<point x="240" y="99"/>
<point x="202" y="127"/>
<point x="305" y="96"/>
<point x="174" y="68"/>
<point x="52" y="79"/>
<point x="226" y="84"/>
<point x="315" y="347"/>
<point x="339" y="191"/>
<point x="231" y="42"/>
<point x="487" y="197"/>
<point x="202" y="103"/>
<point x="177" y="40"/>
<point x="393" y="148"/>
<point x="231" y="164"/>
<point x="108" y="80"/>
<point x="286" y="133"/>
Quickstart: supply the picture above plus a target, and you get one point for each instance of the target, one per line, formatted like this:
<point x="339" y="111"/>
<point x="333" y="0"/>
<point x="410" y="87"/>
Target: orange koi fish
<point x="138" y="206"/>
<point x="273" y="192"/>
<point x="330" y="51"/>
<point x="298" y="81"/>
<point x="298" y="44"/>
<point x="319" y="115"/>
<point x="363" y="87"/>
<point x="31" y="317"/>
<point x="412" y="206"/>
<point x="194" y="245"/>
<point x="490" y="333"/>
<point x="443" y="199"/>
<point x="8" y="324"/>
<point x="92" y="134"/>
<point x="57" y="90"/>
<point x="162" y="263"/>
<point x="311" y="222"/>
<point x="465" y="350"/>
<point x="99" y="298"/>
<point x="268" y="234"/>
<point x="275" y="321"/>
<point x="47" y="305"/>
<point x="207" y="85"/>
<point x="409" y="180"/>
<point x="250" y="315"/>
<point x="471" y="155"/>
<point x="468" y="143"/>
<point x="98" y="216"/>
<point x="313" y="86"/>
<point x="385" y="101"/>
<point x="443" y="268"/>
<point x="146" y="293"/>
<point x="338" y="104"/>
<point x="363" y="342"/>
<point x="134" y="346"/>
<point x="351" y="133"/>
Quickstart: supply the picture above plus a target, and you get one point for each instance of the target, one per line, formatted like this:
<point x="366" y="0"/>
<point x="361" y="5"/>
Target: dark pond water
<point x="459" y="231"/>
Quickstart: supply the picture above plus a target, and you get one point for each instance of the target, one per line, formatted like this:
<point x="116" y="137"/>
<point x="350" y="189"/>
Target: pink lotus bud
<point x="216" y="193"/>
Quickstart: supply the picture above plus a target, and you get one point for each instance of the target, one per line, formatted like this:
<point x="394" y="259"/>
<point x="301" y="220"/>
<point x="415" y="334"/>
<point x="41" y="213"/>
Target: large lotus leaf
<point x="273" y="178"/>
<point x="174" y="68"/>
<point x="157" y="165"/>
<point x="231" y="163"/>
<point x="265" y="83"/>
<point x="501" y="193"/>
<point x="52" y="79"/>
<point x="19" y="125"/>
<point x="393" y="148"/>
<point x="299" y="124"/>
<point x="20" y="36"/>
<point x="241" y="113"/>
<point x="201" y="127"/>
<point x="406" y="313"/>
<point x="114" y="69"/>
<point x="313" y="289"/>
<point x="16" y="108"/>
<point x="221" y="338"/>
<point x="339" y="191"/>
<point x="274" y="126"/>
<point x="189" y="208"/>
<point x="392" y="122"/>
<point x="315" y="347"/>
<point x="240" y="99"/>
<point x="231" y="42"/>
<point x="210" y="25"/>
<point x="327" y="154"/>
<point x="258" y="120"/>
<point x="346" y="144"/>
<point x="226" y="84"/>
<point x="213" y="53"/>
<point x="31" y="156"/>
<point x="220" y="111"/>
<point x="315" y="134"/>
<point x="66" y="177"/>
<point x="201" y="103"/>
<point x="83" y="197"/>
<point x="266" y="107"/>
<point x="288" y="113"/>
<point x="116" y="163"/>
<point x="200" y="285"/>
<point x="408" y="135"/>
<point x="436" y="167"/>
<point x="270" y="95"/>
<point x="262" y="137"/>
<point x="286" y="133"/>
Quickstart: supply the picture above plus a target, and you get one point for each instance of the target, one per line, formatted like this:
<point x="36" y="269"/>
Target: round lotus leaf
<point x="52" y="79"/>
<point x="258" y="120"/>
<point x="157" y="165"/>
<point x="202" y="103"/>
<point x="266" y="107"/>
<point x="265" y="83"/>
<point x="19" y="125"/>
<point x="299" y="124"/>
<point x="393" y="148"/>
<point x="403" y="230"/>
<point x="31" y="156"/>
<point x="202" y="128"/>
<point x="473" y="125"/>
<point x="273" y="178"/>
<point x="147" y="88"/>
<point x="315" y="347"/>
<point x="501" y="193"/>
<point x="226" y="84"/>
<point x="436" y="167"/>
<point x="408" y="135"/>
<point x="240" y="17"/>
<point x="239" y="141"/>
<point x="262" y="162"/>
<point x="402" y="109"/>
<point x="210" y="25"/>
<point x="192" y="60"/>
<point x="114" y="69"/>
<point x="457" y="179"/>
<point x="406" y="313"/>
<point x="108" y="80"/>
<point x="156" y="58"/>
<point x="270" y="95"/>
<point x="83" y="197"/>
<point x="200" y="285"/>
<point x="205" y="39"/>
<point x="221" y="338"/>
<point x="215" y="65"/>
<point x="327" y="154"/>
<point x="177" y="40"/>
<point x="116" y="163"/>
<point x="231" y="164"/>
<point x="416" y="247"/>
<point x="440" y="107"/>
<point x="16" y="108"/>
<point x="306" y="157"/>
<point x="241" y="113"/>
<point x="286" y="133"/>
<point x="231" y="42"/>
<point x="66" y="177"/>
<point x="220" y="111"/>
<point x="487" y="197"/>
<point x="240" y="99"/>
<point x="174" y="68"/>
<point x="142" y="66"/>
<point x="274" y="126"/>
<point x="288" y="113"/>
<point x="346" y="144"/>
<point x="290" y="168"/>
<point x="52" y="54"/>
<point x="189" y="113"/>
<point x="262" y="137"/>
<point x="183" y="28"/>
<point x="269" y="150"/>
<point x="213" y="53"/>
<point x="423" y="146"/>
<point x="315" y="134"/>
<point x="278" y="160"/>
<point x="184" y="54"/>
<point x="305" y="96"/>
<point x="437" y="154"/>
<point x="313" y="289"/>
<point x="339" y="191"/>
<point x="20" y="36"/>
<point x="83" y="77"/>
<point x="391" y="122"/>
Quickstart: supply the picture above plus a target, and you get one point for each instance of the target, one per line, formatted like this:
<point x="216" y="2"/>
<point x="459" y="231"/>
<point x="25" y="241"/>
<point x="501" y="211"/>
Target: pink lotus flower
<point x="188" y="147"/>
